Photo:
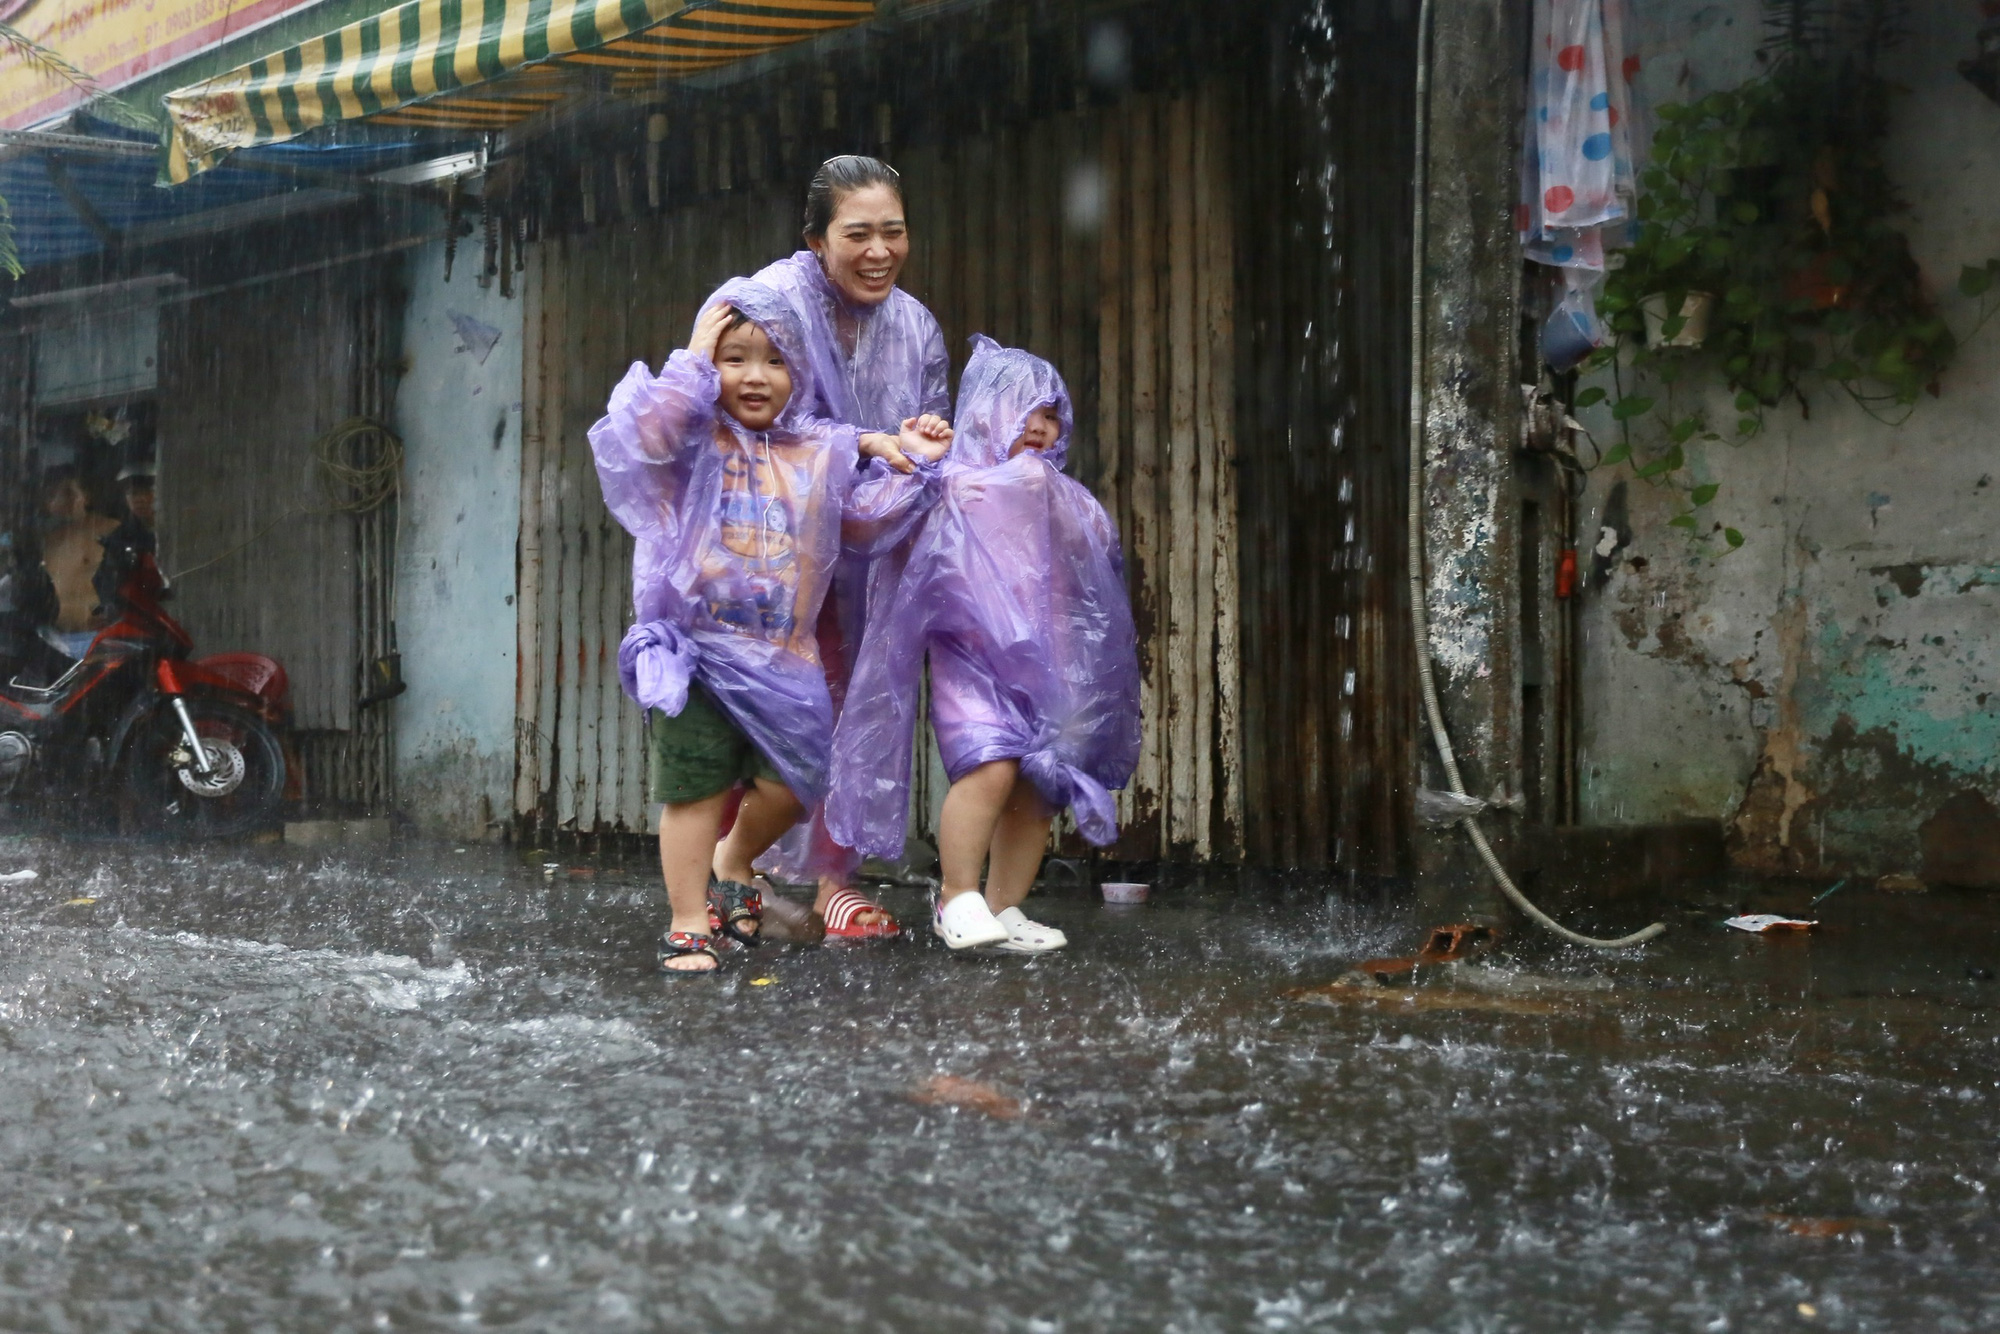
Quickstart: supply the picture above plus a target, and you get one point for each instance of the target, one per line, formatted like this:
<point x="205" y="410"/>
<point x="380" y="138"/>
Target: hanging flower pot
<point x="1695" y="307"/>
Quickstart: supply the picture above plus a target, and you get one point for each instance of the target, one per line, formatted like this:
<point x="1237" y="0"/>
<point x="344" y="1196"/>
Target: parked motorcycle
<point x="138" y="729"/>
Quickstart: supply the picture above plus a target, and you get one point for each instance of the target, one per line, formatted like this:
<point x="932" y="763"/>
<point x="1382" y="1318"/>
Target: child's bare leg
<point x="768" y="810"/>
<point x="687" y="843"/>
<point x="1019" y="839"/>
<point x="965" y="829"/>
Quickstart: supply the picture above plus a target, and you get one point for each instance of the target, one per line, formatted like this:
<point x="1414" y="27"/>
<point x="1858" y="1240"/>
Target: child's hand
<point x="926" y="437"/>
<point x="888" y="448"/>
<point x="708" y="330"/>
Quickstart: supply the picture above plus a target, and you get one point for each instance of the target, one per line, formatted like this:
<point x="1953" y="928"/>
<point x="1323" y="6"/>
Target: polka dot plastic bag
<point x="1578" y="174"/>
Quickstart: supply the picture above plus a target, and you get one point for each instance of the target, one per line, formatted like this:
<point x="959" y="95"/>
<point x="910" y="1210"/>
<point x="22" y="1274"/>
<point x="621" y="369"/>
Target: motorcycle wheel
<point x="240" y="794"/>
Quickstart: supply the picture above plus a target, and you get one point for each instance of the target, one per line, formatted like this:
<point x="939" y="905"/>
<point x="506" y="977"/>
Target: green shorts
<point x="699" y="752"/>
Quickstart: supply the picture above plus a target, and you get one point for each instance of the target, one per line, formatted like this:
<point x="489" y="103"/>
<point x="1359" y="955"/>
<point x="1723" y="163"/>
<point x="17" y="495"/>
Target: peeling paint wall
<point x="458" y="410"/>
<point x="1832" y="690"/>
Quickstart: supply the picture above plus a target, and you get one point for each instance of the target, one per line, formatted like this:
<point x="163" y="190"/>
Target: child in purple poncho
<point x="741" y="501"/>
<point x="1015" y="589"/>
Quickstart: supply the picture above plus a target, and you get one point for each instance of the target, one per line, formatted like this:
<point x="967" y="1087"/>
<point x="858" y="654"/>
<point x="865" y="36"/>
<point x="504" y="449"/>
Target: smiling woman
<point x="856" y="228"/>
<point x="878" y="360"/>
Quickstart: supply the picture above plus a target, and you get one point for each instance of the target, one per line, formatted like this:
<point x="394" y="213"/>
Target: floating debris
<point x="20" y="877"/>
<point x="1825" y="1227"/>
<point x="971" y="1094"/>
<point x="1414" y="1000"/>
<point x="1758" y="923"/>
<point x="1901" y="882"/>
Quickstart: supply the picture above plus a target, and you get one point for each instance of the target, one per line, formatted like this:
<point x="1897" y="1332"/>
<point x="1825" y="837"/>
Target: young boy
<point x="1015" y="588"/>
<point x="740" y="502"/>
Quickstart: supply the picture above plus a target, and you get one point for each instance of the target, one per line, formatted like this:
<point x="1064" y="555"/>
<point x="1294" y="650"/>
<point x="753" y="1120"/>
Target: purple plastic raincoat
<point x="1015" y="588"/>
<point x="897" y="368"/>
<point x="738" y="533"/>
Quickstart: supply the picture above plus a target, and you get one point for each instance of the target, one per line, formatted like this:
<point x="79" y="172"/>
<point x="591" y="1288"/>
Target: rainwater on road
<point x="419" y="1089"/>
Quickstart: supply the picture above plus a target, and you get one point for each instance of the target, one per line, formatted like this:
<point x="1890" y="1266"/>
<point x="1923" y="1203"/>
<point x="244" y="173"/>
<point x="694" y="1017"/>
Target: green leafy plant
<point x="1773" y="199"/>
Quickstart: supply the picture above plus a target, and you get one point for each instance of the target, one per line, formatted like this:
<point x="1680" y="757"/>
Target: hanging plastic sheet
<point x="1014" y="586"/>
<point x="738" y="532"/>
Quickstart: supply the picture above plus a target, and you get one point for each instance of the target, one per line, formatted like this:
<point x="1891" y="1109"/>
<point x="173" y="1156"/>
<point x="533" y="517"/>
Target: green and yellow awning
<point x="476" y="65"/>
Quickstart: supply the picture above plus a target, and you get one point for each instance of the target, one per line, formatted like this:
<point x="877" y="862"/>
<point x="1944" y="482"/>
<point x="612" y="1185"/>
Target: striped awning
<point x="477" y="65"/>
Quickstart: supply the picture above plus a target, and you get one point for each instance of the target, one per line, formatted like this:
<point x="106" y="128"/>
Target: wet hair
<point x="839" y="177"/>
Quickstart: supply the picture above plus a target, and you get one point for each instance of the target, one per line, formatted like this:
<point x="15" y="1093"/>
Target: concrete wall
<point x="1471" y="277"/>
<point x="459" y="412"/>
<point x="1830" y="687"/>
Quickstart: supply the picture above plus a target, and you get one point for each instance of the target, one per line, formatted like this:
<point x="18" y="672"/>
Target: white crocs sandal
<point x="965" y="922"/>
<point x="1027" y="936"/>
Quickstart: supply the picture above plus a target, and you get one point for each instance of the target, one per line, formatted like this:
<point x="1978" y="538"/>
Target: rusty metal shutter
<point x="249" y="379"/>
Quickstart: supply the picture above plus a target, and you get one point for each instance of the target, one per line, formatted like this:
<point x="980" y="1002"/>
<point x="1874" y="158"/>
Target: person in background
<point x="72" y="549"/>
<point x="135" y="480"/>
<point x="27" y="603"/>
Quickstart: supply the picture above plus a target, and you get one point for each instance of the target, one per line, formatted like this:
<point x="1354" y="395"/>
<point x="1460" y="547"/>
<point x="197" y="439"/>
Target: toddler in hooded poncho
<point x="1014" y="586"/>
<point x="738" y="528"/>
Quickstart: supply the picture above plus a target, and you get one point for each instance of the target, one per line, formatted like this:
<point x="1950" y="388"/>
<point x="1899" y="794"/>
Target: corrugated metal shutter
<point x="249" y="379"/>
<point x="1323" y="162"/>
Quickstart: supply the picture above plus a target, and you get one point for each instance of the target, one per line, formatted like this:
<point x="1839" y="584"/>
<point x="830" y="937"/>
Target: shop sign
<point x="116" y="43"/>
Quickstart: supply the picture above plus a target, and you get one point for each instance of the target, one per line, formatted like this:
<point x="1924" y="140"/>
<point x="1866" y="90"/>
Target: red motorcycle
<point x="174" y="745"/>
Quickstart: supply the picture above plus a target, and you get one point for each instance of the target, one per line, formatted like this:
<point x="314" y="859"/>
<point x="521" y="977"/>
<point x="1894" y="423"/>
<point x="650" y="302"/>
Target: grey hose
<point x="1419" y="617"/>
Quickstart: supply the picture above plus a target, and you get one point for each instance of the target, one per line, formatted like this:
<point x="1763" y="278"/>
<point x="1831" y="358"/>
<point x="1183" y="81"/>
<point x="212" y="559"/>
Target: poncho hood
<point x="1001" y="388"/>
<point x="769" y="311"/>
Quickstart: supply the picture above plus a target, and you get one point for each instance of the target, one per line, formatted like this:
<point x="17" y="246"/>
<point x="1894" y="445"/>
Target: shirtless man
<point x="71" y="552"/>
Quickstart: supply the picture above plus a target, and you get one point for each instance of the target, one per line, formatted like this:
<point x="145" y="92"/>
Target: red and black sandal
<point x="734" y="903"/>
<point x="680" y="944"/>
<point x="843" y="918"/>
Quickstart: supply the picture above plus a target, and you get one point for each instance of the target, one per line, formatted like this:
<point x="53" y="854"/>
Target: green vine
<point x="1771" y="204"/>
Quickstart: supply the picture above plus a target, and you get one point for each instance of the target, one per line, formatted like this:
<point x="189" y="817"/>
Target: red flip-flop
<point x="843" y="912"/>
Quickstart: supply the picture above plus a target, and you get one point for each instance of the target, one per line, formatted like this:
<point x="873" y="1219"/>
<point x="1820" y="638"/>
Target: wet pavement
<point x="421" y="1089"/>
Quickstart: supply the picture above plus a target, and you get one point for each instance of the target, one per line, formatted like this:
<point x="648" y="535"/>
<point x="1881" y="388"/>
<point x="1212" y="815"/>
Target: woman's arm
<point x="885" y="504"/>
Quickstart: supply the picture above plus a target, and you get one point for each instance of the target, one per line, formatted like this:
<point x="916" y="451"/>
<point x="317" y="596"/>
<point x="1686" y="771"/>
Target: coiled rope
<point x="357" y="468"/>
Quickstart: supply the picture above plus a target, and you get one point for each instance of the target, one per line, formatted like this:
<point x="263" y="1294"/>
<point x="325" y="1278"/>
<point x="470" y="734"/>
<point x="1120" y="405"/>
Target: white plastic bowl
<point x="1124" y="891"/>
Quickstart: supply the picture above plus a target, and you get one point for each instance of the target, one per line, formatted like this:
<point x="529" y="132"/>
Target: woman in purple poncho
<point x="1015" y="587"/>
<point x="879" y="361"/>
<point x="741" y="500"/>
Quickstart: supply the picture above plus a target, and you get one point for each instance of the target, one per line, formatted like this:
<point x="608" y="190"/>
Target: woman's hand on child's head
<point x="926" y="437"/>
<point x="708" y="329"/>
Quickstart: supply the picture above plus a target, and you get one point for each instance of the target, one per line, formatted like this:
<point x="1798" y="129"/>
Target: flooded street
<point x="264" y="1089"/>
